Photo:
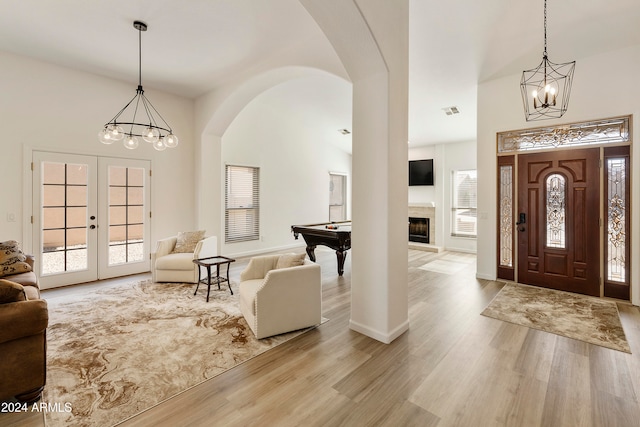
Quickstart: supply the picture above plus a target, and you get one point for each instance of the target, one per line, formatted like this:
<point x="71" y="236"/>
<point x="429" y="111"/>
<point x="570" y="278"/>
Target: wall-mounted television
<point x="421" y="172"/>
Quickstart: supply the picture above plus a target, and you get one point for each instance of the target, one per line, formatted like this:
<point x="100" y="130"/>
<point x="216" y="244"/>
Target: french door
<point x="90" y="217"/>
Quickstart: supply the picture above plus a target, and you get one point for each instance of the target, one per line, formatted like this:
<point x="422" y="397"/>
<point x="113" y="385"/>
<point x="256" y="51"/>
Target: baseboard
<point x="485" y="276"/>
<point x="265" y="251"/>
<point x="385" y="338"/>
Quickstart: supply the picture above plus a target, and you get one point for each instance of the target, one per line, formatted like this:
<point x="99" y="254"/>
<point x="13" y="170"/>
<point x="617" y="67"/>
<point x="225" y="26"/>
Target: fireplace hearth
<point x="419" y="230"/>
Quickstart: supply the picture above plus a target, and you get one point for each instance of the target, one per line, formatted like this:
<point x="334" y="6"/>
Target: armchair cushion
<point x="187" y="240"/>
<point x="290" y="260"/>
<point x="12" y="260"/>
<point x="11" y="292"/>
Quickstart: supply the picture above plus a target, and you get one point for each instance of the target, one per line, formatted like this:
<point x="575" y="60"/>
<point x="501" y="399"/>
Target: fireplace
<point x="419" y="230"/>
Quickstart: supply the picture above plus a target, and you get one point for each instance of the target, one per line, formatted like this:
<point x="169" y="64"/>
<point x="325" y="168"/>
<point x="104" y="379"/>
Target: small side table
<point x="208" y="263"/>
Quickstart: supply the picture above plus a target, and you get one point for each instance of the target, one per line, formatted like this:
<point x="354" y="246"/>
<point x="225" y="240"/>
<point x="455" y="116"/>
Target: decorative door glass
<point x="506" y="216"/>
<point x="616" y="219"/>
<point x="556" y="216"/>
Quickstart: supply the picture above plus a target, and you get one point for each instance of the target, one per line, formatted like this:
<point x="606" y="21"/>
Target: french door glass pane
<point x="126" y="214"/>
<point x="64" y="217"/>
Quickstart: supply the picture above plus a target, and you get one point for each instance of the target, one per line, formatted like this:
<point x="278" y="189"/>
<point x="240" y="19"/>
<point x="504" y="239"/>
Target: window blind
<point x="242" y="203"/>
<point x="464" y="204"/>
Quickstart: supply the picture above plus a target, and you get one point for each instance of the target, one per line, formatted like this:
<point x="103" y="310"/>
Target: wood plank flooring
<point x="453" y="367"/>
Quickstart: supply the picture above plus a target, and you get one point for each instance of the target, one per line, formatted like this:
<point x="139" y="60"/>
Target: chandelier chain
<point x="545" y="27"/>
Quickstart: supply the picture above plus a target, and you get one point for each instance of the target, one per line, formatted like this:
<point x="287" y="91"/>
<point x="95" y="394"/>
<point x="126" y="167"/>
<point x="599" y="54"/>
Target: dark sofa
<point x="23" y="322"/>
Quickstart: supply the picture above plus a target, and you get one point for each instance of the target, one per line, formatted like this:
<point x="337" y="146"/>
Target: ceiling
<point x="194" y="46"/>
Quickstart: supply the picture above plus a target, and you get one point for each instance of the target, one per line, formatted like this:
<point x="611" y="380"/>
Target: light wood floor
<point x="453" y="367"/>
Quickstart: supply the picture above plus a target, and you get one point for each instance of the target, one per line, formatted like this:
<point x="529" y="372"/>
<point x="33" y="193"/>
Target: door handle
<point x="522" y="219"/>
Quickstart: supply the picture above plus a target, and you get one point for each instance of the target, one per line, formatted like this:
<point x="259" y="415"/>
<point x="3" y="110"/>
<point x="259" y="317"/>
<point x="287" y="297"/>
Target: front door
<point x="558" y="220"/>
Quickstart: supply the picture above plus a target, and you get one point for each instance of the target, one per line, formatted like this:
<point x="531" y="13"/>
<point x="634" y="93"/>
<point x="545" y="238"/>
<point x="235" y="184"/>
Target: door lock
<point x="522" y="219"/>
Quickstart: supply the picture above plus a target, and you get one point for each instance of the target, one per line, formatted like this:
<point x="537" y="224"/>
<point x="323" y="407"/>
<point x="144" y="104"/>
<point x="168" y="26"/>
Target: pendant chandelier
<point x="546" y="88"/>
<point x="151" y="127"/>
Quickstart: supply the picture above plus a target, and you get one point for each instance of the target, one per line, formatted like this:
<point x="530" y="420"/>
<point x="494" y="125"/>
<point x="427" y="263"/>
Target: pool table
<point x="336" y="235"/>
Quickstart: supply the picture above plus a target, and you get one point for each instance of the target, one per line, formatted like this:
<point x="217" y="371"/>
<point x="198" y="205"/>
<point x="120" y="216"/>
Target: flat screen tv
<point x="421" y="172"/>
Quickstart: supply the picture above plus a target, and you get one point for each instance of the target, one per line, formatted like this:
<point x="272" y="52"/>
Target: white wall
<point x="46" y="107"/>
<point x="295" y="155"/>
<point x="604" y="86"/>
<point x="446" y="158"/>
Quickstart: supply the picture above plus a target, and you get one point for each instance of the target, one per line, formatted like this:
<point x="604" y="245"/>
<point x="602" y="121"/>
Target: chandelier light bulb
<point x="159" y="145"/>
<point x="171" y="141"/>
<point x="117" y="133"/>
<point x="151" y="135"/>
<point x="131" y="142"/>
<point x="104" y="136"/>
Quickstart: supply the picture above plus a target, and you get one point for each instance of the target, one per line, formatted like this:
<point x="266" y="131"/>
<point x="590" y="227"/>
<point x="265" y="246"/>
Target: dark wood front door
<point x="558" y="220"/>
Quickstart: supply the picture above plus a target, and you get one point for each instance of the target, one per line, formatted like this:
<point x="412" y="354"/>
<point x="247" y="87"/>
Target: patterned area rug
<point x="116" y="352"/>
<point x="570" y="315"/>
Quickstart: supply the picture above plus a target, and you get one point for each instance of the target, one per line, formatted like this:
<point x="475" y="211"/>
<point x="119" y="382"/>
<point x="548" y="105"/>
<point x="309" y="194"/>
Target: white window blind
<point x="464" y="203"/>
<point x="337" y="189"/>
<point x="242" y="203"/>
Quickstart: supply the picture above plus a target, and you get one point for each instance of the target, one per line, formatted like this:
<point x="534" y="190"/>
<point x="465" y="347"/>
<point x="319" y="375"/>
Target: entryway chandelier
<point x="152" y="128"/>
<point x="546" y="88"/>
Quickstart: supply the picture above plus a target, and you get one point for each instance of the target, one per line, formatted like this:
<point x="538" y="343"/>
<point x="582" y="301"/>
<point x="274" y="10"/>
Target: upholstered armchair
<point x="170" y="263"/>
<point x="24" y="318"/>
<point x="280" y="293"/>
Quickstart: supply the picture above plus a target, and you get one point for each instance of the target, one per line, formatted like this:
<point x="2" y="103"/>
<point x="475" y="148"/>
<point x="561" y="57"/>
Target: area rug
<point x="566" y="314"/>
<point x="118" y="351"/>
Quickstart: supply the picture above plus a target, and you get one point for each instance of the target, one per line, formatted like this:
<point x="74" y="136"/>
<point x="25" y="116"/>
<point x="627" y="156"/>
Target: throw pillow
<point x="290" y="260"/>
<point x="187" y="241"/>
<point x="11" y="292"/>
<point x="12" y="260"/>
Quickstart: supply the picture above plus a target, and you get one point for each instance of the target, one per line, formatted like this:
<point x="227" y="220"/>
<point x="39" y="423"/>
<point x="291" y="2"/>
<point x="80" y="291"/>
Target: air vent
<point x="449" y="111"/>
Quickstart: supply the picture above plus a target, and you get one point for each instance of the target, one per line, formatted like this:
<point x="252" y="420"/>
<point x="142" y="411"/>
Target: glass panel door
<point x="65" y="218"/>
<point x="124" y="202"/>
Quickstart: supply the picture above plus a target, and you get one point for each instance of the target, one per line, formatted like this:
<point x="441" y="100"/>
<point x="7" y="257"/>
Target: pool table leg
<point x="341" y="255"/>
<point x="311" y="253"/>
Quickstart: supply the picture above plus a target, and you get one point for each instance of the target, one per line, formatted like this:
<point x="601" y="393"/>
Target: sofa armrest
<point x="23" y="319"/>
<point x="30" y="260"/>
<point x="258" y="267"/>
<point x="207" y="247"/>
<point x="165" y="246"/>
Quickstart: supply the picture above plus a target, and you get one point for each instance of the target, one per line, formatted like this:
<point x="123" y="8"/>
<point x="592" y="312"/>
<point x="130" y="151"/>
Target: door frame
<point x="512" y="159"/>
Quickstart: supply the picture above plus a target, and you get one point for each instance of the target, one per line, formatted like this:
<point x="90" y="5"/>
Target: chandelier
<point x="151" y="127"/>
<point x="546" y="88"/>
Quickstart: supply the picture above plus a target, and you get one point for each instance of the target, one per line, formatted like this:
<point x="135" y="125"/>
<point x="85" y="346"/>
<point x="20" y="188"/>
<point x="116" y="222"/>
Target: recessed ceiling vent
<point x="449" y="111"/>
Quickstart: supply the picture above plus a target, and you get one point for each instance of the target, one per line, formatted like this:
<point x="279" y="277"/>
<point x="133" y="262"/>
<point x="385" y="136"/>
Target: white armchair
<point x="179" y="267"/>
<point x="278" y="300"/>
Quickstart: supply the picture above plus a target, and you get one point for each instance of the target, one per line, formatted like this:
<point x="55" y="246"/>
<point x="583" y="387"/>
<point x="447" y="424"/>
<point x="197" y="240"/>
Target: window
<point x="242" y="203"/>
<point x="337" y="191"/>
<point x="464" y="203"/>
